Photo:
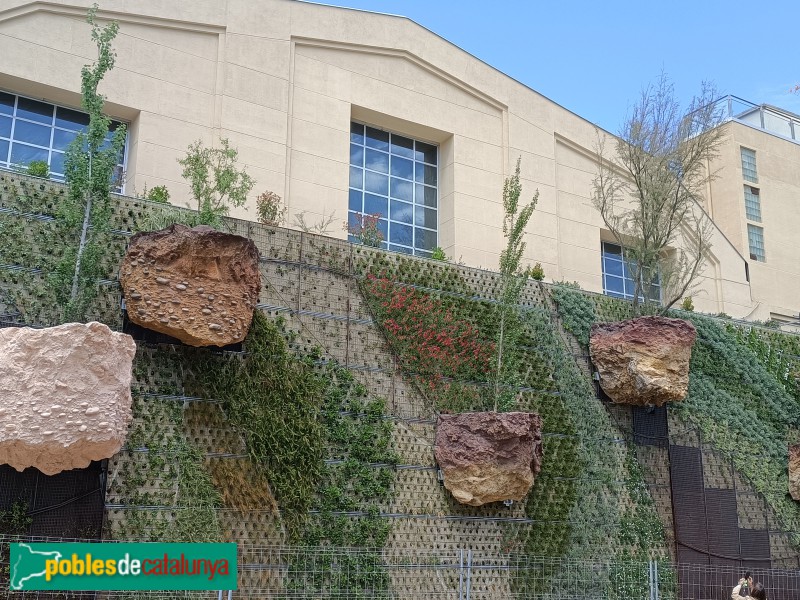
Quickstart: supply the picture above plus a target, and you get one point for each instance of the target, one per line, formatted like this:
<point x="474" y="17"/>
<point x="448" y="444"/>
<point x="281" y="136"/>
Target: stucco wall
<point x="775" y="282"/>
<point x="283" y="80"/>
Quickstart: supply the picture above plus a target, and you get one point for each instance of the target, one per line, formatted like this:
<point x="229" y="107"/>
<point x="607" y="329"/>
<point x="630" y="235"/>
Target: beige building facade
<point x="754" y="201"/>
<point x="342" y="111"/>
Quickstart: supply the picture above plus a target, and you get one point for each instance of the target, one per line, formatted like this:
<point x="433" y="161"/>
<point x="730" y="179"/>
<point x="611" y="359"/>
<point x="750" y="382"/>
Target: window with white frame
<point x="617" y="278"/>
<point x="749" y="171"/>
<point x="752" y="203"/>
<point x="755" y="239"/>
<point x="395" y="177"/>
<point x="33" y="130"/>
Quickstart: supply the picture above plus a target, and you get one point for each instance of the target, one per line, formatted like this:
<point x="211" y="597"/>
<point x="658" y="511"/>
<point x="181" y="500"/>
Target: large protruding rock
<point x="643" y="361"/>
<point x="65" y="395"/>
<point x="794" y="471"/>
<point x="488" y="457"/>
<point x="199" y="285"/>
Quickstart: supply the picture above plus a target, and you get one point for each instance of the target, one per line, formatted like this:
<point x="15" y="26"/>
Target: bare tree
<point x="649" y="191"/>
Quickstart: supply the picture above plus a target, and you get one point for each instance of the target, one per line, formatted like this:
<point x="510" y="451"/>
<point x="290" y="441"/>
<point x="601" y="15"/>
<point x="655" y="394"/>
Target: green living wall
<point x="743" y="398"/>
<point x="287" y="442"/>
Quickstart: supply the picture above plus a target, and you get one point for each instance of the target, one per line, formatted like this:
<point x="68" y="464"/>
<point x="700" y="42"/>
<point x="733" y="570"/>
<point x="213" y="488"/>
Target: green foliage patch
<point x="274" y="400"/>
<point x="576" y="310"/>
<point x="745" y="405"/>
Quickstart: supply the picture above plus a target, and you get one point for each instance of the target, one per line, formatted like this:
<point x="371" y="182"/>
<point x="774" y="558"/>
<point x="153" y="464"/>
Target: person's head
<point x="748" y="578"/>
<point x="757" y="591"/>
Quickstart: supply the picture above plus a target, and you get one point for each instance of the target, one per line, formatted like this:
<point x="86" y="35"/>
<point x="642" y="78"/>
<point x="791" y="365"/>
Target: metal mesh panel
<point x="650" y="426"/>
<point x="69" y="504"/>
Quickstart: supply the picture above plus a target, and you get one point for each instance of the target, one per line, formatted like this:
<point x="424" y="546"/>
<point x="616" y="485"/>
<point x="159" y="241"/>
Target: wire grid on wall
<point x="315" y="279"/>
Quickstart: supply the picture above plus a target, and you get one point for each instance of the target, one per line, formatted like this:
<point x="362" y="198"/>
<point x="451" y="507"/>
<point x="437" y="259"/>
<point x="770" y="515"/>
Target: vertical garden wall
<point x="318" y="432"/>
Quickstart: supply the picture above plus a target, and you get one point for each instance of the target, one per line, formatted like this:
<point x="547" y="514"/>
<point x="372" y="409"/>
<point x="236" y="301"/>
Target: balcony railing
<point x="762" y="116"/>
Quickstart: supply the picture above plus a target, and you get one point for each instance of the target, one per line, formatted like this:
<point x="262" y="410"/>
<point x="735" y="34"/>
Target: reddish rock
<point x="488" y="457"/>
<point x="794" y="471"/>
<point x="66" y="395"/>
<point x="199" y="285"/>
<point x="643" y="361"/>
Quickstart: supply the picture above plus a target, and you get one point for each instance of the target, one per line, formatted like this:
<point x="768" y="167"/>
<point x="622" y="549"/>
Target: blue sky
<point x="594" y="57"/>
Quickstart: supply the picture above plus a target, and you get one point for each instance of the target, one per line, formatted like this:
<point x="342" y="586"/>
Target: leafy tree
<point x="215" y="179"/>
<point x="89" y="166"/>
<point x="512" y="277"/>
<point x="648" y="192"/>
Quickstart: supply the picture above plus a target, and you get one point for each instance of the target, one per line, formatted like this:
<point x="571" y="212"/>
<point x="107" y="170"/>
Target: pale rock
<point x="66" y="368"/>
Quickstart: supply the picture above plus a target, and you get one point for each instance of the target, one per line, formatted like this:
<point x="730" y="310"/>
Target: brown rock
<point x="488" y="457"/>
<point x="643" y="361"/>
<point x="203" y="271"/>
<point x="794" y="471"/>
<point x="66" y="395"/>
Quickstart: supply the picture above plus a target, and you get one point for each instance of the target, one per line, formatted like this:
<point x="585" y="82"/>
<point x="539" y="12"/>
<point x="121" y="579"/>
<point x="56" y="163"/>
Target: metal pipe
<point x="469" y="572"/>
<point x="461" y="574"/>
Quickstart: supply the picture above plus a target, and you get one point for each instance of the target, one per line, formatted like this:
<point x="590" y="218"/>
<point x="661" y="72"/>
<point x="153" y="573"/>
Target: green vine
<point x="162" y="468"/>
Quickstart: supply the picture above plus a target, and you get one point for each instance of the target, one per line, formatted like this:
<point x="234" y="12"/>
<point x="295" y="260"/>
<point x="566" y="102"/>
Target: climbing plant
<point x="437" y="342"/>
<point x="576" y="310"/>
<point x="161" y="467"/>
<point x="356" y="481"/>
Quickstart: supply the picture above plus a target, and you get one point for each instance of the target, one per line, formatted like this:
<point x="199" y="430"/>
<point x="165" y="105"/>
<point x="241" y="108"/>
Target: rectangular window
<point x="396" y="177"/>
<point x="617" y="277"/>
<point x="34" y="130"/>
<point x="755" y="239"/>
<point x="752" y="203"/>
<point x="749" y="165"/>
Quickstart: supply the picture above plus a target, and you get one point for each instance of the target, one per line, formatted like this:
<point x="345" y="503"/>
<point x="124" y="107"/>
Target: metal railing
<point x="762" y="116"/>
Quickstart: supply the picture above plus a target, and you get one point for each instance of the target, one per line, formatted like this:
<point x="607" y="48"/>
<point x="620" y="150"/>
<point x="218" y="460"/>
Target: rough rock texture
<point x="643" y="361"/>
<point x="794" y="471"/>
<point x="487" y="457"/>
<point x="65" y="395"/>
<point x="199" y="285"/>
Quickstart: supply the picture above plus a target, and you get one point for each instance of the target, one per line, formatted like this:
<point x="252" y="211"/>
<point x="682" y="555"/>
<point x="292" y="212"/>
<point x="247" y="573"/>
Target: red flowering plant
<point x="441" y="350"/>
<point x="365" y="229"/>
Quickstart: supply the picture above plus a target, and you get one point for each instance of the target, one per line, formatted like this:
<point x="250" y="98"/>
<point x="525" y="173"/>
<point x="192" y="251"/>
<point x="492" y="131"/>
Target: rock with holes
<point x="794" y="471"/>
<point x="65" y="395"/>
<point x="489" y="457"/>
<point x="643" y="361"/>
<point x="199" y="285"/>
